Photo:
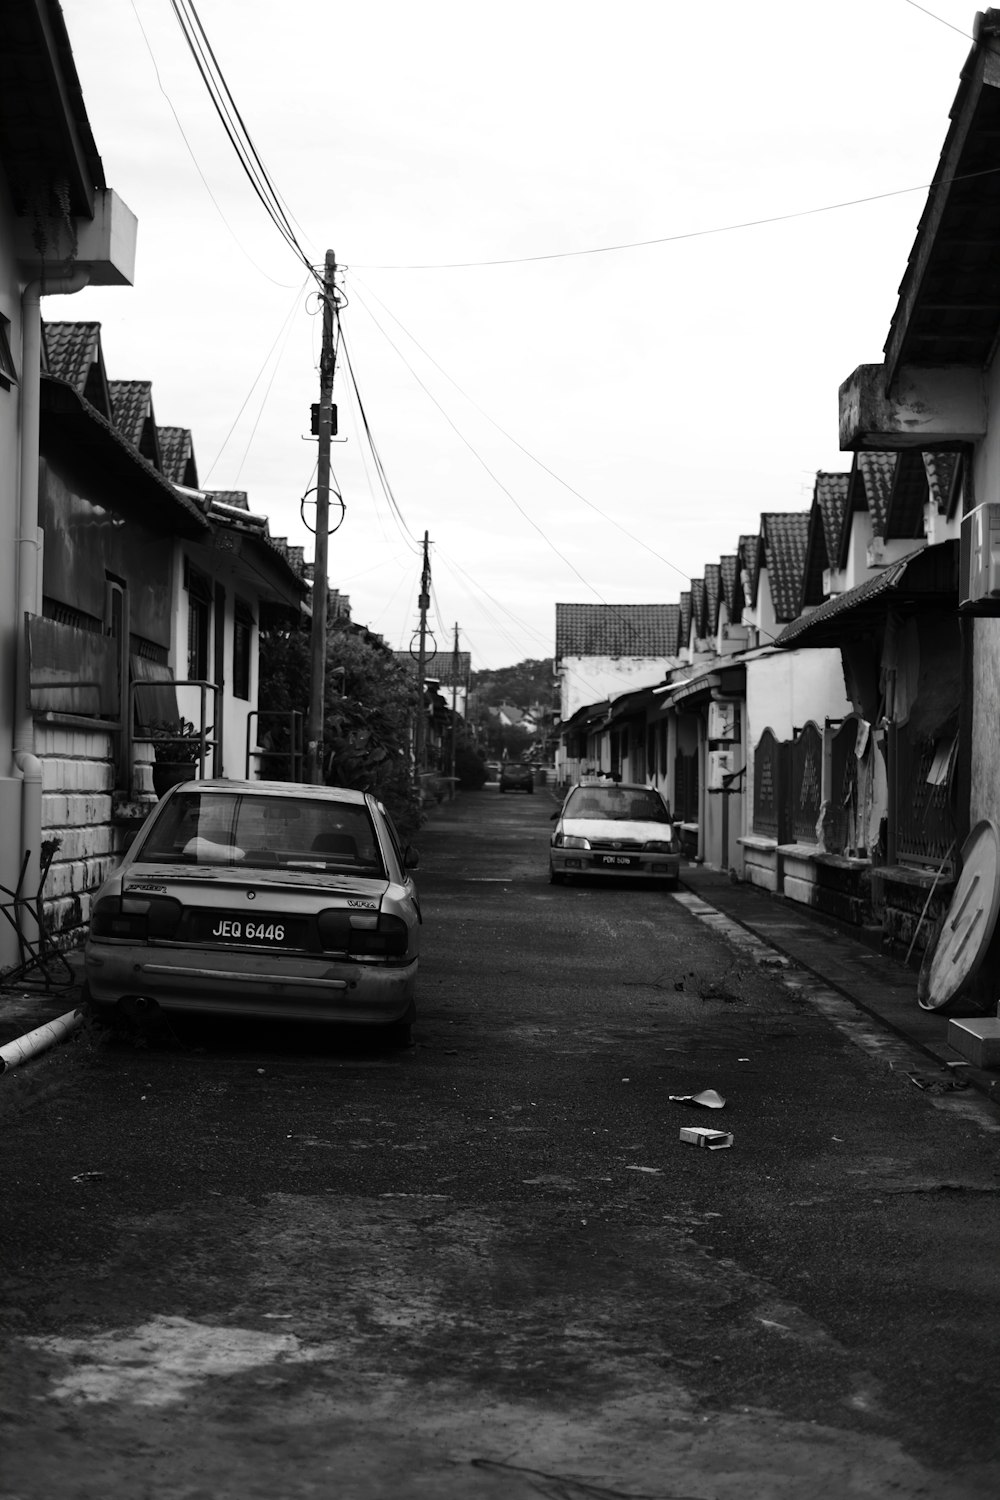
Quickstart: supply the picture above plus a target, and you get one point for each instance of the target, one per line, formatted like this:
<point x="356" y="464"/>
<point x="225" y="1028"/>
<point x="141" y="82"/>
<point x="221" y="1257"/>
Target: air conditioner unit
<point x="979" y="561"/>
<point x="723" y="721"/>
<point x="721" y="763"/>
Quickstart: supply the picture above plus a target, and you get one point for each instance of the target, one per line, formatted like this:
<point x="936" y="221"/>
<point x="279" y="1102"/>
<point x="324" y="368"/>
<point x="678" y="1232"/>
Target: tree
<point x="370" y="703"/>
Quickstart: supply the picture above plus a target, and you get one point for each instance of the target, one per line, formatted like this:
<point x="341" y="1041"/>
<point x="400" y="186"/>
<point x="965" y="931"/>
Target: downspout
<point x="25" y="759"/>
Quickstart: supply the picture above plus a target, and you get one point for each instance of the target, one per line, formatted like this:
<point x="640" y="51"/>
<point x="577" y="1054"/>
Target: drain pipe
<point x="28" y="555"/>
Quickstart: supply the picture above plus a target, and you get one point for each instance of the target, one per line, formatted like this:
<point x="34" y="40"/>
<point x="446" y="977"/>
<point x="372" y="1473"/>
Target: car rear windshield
<point x="285" y="833"/>
<point x="615" y="802"/>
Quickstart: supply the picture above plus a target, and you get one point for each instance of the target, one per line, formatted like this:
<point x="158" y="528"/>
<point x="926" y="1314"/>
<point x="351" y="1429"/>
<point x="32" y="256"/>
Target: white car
<point x="608" y="828"/>
<point x="258" y="898"/>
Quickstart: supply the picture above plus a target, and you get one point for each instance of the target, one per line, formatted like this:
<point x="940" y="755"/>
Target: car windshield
<point x="631" y="804"/>
<point x="257" y="831"/>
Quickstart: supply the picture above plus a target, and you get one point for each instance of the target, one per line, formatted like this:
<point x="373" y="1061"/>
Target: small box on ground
<point x="701" y="1135"/>
<point x="976" y="1038"/>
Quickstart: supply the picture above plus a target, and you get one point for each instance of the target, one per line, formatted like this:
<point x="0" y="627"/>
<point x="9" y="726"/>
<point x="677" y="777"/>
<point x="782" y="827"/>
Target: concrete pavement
<point x="880" y="986"/>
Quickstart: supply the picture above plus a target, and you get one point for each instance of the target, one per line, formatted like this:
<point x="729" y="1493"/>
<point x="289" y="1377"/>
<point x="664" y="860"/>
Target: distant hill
<point x="527" y="683"/>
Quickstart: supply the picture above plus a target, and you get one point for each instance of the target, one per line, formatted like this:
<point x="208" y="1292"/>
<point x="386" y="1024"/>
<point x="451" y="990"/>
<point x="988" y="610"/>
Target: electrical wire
<point x="520" y="446"/>
<point x="479" y="459"/>
<point x="961" y="31"/>
<point x="689" y="234"/>
<point x="235" y="128"/>
<point x="286" y="329"/>
<point x="373" y="448"/>
<point x="177" y="120"/>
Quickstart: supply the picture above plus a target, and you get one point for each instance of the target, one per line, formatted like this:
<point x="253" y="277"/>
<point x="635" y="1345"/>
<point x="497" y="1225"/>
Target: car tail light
<point x="363" y="934"/>
<point x="135" y="919"/>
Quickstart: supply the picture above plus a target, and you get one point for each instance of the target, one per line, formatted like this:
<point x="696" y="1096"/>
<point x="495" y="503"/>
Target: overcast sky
<point x="581" y="423"/>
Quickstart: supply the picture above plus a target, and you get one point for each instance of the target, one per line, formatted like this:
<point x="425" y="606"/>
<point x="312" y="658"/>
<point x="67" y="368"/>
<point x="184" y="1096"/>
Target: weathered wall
<point x="984" y="793"/>
<point x="77" y="780"/>
<point x="589" y="679"/>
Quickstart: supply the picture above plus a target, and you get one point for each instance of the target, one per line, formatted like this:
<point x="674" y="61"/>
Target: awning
<point x="728" y="681"/>
<point x="923" y="580"/>
<point x="589" y="714"/>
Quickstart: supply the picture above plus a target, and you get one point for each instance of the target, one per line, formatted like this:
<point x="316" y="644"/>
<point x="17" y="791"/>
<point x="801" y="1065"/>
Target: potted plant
<point x="177" y="748"/>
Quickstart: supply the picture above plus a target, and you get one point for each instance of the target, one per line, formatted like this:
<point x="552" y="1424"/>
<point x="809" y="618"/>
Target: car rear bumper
<point x="249" y="983"/>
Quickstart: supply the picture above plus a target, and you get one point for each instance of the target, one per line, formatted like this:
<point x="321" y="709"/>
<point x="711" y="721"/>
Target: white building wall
<point x="787" y="689"/>
<point x="589" y="679"/>
<point x="784" y="692"/>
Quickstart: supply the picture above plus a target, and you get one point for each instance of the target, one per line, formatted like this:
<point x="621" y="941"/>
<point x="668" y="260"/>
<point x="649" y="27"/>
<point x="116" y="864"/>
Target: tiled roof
<point x="942" y="471"/>
<point x="713" y="586"/>
<point x="698" y="606"/>
<point x="830" y="498"/>
<point x="72" y="351"/>
<point x="826" y="520"/>
<point x="905" y="514"/>
<point x="616" y="630"/>
<point x="784" y="535"/>
<point x="877" y="470"/>
<point x="177" y="456"/>
<point x="749" y="560"/>
<point x="130" y="401"/>
<point x="685" y="620"/>
<point x="441" y="666"/>
<point x="729" y="574"/>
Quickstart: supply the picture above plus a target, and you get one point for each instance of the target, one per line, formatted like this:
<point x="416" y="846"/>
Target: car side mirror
<point x="411" y="858"/>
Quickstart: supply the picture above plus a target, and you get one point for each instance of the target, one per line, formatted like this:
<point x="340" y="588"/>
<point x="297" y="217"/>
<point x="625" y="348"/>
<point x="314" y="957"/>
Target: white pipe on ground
<point x="33" y="1042"/>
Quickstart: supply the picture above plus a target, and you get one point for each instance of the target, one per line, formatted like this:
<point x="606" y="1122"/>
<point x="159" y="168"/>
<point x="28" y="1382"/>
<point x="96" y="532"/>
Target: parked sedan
<point x="516" y="777"/>
<point x="266" y="899"/>
<point x="613" y="829"/>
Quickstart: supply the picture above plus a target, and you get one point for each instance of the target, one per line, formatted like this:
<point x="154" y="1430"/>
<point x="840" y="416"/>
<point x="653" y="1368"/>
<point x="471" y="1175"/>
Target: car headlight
<point x="574" y="841"/>
<point x="658" y="846"/>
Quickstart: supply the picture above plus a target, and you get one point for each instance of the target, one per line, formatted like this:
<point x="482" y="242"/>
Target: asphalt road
<point x="250" y="1263"/>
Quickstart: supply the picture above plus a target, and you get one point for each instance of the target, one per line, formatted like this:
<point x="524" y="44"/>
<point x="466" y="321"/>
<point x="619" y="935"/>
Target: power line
<point x="286" y="329"/>
<point x="527" y="453"/>
<point x="239" y="244"/>
<point x="379" y="466"/>
<point x="235" y="128"/>
<point x="689" y="234"/>
<point x="933" y="17"/>
<point x="479" y="459"/>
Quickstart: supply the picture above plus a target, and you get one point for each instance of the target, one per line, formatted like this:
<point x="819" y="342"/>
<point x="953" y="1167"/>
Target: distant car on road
<point x="261" y="898"/>
<point x="613" y="829"/>
<point x="515" y="776"/>
<point x="492" y="770"/>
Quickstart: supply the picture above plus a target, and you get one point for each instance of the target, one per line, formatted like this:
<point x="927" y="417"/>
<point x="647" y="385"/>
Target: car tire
<point x="556" y="877"/>
<point x="530" y="791"/>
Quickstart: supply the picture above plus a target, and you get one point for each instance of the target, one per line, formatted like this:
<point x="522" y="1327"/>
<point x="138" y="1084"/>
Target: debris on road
<point x="701" y="1135"/>
<point x="708" y="1098"/>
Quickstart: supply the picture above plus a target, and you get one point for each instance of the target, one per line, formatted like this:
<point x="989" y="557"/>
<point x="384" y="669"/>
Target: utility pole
<point x="317" y="642"/>
<point x="454" y="704"/>
<point x="424" y="601"/>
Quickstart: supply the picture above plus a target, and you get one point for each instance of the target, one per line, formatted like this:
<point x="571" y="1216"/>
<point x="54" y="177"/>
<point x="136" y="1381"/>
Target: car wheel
<point x="530" y="791"/>
<point x="556" y="877"/>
